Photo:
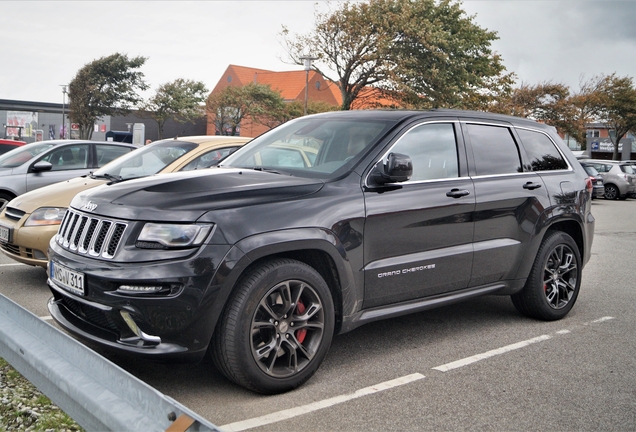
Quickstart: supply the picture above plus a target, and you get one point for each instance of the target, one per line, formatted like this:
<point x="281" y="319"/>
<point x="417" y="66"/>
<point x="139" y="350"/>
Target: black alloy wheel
<point x="554" y="281"/>
<point x="276" y="329"/>
<point x="611" y="192"/>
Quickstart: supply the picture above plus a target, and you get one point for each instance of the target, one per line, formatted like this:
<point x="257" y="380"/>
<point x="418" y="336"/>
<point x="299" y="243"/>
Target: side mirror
<point x="42" y="166"/>
<point x="398" y="168"/>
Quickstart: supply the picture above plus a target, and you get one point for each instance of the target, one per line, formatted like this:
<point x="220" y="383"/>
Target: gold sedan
<point x="29" y="221"/>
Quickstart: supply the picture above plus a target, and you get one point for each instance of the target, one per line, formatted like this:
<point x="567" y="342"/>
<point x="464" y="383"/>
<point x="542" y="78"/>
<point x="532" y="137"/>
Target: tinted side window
<point x="68" y="157"/>
<point x="433" y="150"/>
<point x="6" y="147"/>
<point x="541" y="151"/>
<point x="494" y="150"/>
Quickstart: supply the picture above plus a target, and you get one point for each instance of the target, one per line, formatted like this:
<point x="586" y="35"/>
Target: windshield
<point x="146" y="160"/>
<point x="627" y="169"/>
<point x="315" y="147"/>
<point x="20" y="155"/>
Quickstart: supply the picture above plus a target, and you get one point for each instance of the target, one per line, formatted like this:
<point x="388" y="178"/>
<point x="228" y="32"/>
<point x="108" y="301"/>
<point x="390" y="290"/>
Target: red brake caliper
<point x="301" y="333"/>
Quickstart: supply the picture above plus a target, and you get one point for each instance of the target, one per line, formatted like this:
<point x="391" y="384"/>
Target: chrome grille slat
<point x="90" y="235"/>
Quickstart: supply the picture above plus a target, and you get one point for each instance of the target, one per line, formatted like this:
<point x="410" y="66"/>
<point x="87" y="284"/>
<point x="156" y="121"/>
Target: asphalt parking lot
<point x="478" y="365"/>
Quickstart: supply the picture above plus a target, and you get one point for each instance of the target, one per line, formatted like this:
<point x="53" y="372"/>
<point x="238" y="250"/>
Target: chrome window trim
<point x="385" y="154"/>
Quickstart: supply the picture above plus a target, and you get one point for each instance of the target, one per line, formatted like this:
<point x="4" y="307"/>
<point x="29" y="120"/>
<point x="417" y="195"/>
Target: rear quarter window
<point x="542" y="152"/>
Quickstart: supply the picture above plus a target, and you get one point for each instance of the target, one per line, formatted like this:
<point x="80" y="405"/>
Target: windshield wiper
<point x="270" y="170"/>
<point x="113" y="178"/>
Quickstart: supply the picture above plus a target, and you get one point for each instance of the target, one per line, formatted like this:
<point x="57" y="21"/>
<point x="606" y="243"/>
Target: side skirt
<point x="412" y="306"/>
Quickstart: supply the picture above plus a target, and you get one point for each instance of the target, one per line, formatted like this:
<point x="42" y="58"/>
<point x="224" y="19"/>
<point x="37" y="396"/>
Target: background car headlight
<point x="172" y="235"/>
<point x="46" y="216"/>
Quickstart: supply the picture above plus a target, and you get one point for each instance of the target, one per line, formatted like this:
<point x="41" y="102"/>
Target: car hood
<point x="55" y="195"/>
<point x="185" y="197"/>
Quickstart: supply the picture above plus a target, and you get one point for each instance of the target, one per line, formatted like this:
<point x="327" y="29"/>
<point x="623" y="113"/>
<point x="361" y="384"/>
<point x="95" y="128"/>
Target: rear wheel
<point x="554" y="281"/>
<point x="276" y="329"/>
<point x="611" y="192"/>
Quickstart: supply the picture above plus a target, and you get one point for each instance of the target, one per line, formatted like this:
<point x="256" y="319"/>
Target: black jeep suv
<point x="319" y="226"/>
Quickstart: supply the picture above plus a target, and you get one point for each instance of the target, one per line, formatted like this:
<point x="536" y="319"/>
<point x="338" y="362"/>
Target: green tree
<point x="617" y="107"/>
<point x="441" y="58"/>
<point x="556" y="105"/>
<point x="348" y="42"/>
<point x="546" y="102"/>
<point x="424" y="53"/>
<point x="296" y="109"/>
<point x="585" y="107"/>
<point x="107" y="86"/>
<point x="179" y="100"/>
<point x="257" y="102"/>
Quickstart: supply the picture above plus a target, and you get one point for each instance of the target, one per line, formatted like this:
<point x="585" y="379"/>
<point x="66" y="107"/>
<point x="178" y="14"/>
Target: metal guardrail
<point x="95" y="392"/>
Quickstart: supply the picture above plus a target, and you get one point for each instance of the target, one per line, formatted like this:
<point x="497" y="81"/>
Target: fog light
<point x="142" y="289"/>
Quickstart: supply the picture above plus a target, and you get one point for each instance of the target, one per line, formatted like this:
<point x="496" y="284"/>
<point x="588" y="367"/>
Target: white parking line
<point x="315" y="406"/>
<point x="469" y="360"/>
<point x="15" y="264"/>
<point x="607" y="318"/>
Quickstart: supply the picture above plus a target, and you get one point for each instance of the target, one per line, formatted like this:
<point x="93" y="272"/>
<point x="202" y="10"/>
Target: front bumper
<point x="27" y="244"/>
<point x="177" y="323"/>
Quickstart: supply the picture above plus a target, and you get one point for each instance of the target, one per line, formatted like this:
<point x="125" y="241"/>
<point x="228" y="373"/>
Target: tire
<point x="276" y="328"/>
<point x="611" y="192"/>
<point x="4" y="199"/>
<point x="554" y="281"/>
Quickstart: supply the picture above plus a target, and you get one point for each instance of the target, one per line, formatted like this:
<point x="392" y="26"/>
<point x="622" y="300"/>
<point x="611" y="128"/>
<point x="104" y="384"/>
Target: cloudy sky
<point x="46" y="42"/>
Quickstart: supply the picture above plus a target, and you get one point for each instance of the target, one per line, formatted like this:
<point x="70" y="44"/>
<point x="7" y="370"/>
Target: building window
<point x="593" y="133"/>
<point x="229" y="78"/>
<point x="317" y="85"/>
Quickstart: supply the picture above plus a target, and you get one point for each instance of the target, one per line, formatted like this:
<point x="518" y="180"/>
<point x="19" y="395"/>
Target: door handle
<point x="457" y="193"/>
<point x="531" y="186"/>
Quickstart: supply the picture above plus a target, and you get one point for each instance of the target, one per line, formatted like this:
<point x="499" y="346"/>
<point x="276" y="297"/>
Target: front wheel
<point x="4" y="199"/>
<point x="554" y="281"/>
<point x="276" y="329"/>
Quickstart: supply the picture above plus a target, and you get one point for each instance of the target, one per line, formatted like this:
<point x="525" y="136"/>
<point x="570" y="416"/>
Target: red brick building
<point x="291" y="86"/>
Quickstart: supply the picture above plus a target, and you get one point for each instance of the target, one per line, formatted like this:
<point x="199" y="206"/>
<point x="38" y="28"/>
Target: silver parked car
<point x="598" y="188"/>
<point x="42" y="163"/>
<point x="619" y="178"/>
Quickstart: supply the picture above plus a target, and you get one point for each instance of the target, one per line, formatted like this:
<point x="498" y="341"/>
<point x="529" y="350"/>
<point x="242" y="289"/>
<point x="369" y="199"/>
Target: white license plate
<point x="4" y="234"/>
<point x="66" y="278"/>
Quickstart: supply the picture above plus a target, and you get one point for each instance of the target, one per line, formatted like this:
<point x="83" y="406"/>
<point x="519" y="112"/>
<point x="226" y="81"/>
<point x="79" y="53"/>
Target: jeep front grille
<point x="87" y="234"/>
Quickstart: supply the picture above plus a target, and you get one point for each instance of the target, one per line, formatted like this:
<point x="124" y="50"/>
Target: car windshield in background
<point x="20" y="155"/>
<point x="145" y="161"/>
<point x="315" y="148"/>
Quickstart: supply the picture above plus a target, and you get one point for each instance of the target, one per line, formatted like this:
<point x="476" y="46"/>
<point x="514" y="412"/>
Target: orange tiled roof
<point x="291" y="85"/>
<point x="245" y="74"/>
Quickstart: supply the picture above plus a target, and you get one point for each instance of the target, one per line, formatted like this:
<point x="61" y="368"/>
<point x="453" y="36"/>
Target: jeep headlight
<point x="46" y="216"/>
<point x="161" y="236"/>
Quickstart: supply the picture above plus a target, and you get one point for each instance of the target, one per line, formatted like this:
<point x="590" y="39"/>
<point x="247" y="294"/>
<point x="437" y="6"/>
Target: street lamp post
<point x="307" y="59"/>
<point x="63" y="113"/>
